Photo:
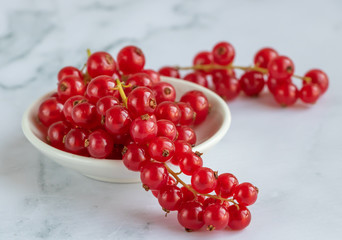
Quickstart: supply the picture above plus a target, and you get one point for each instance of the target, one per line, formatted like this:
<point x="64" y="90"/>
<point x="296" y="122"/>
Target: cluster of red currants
<point x="119" y="110"/>
<point x="215" y="70"/>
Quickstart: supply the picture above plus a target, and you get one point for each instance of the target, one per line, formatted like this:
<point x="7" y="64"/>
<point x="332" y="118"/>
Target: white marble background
<point x="293" y="155"/>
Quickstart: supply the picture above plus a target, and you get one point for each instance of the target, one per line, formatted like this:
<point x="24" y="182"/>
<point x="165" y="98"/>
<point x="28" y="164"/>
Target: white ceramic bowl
<point x="208" y="134"/>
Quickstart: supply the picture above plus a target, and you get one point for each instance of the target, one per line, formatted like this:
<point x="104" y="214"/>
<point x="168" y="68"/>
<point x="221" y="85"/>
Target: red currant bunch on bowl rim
<point x="215" y="69"/>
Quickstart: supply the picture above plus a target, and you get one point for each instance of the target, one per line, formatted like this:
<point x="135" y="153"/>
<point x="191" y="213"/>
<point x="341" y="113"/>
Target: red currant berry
<point x="99" y="144"/>
<point x="85" y="115"/>
<point x="187" y="134"/>
<point x="310" y="93"/>
<point x="199" y="102"/>
<point x="134" y="156"/>
<point x="218" y="74"/>
<point x="227" y="87"/>
<point x="131" y="60"/>
<point x="264" y="56"/>
<point x="138" y="80"/>
<point x="69" y="71"/>
<point x="155" y="77"/>
<point x="141" y="101"/>
<point x="105" y="103"/>
<point x="167" y="129"/>
<point x="168" y="110"/>
<point x="281" y="67"/>
<point x="273" y="83"/>
<point x="70" y="86"/>
<point x="190" y="216"/>
<point x="101" y="63"/>
<point x="245" y="194"/>
<point x="69" y="105"/>
<point x="99" y="87"/>
<point x="209" y="201"/>
<point x="169" y="72"/>
<point x="318" y="77"/>
<point x="226" y="183"/>
<point x="164" y="91"/>
<point x="74" y="141"/>
<point x="170" y="198"/>
<point x="198" y="78"/>
<point x="286" y="94"/>
<point x="239" y="217"/>
<point x="56" y="133"/>
<point x="161" y="149"/>
<point x="181" y="147"/>
<point x="153" y="175"/>
<point x="204" y="180"/>
<point x="189" y="162"/>
<point x="188" y="114"/>
<point x="143" y="129"/>
<point x="50" y="111"/>
<point x="223" y="53"/>
<point x="203" y="58"/>
<point x="252" y="83"/>
<point x="118" y="121"/>
<point x="216" y="217"/>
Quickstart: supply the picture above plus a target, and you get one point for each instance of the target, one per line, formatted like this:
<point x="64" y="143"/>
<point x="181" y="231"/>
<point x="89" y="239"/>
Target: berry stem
<point x="230" y="66"/>
<point x="122" y="92"/>
<point x="175" y="175"/>
<point x="88" y="52"/>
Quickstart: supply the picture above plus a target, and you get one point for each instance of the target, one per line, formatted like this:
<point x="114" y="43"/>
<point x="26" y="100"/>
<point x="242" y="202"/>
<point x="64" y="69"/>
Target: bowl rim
<point x="50" y="150"/>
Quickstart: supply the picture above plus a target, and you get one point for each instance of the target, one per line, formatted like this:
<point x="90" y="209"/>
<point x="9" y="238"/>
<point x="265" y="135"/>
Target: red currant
<point x="169" y="72"/>
<point x="273" y="83"/>
<point x="50" y="111"/>
<point x="204" y="180"/>
<point x="245" y="194"/>
<point x="318" y="77"/>
<point x="138" y="80"/>
<point x="286" y="94"/>
<point x="153" y="175"/>
<point x="143" y="129"/>
<point x="85" y="115"/>
<point x="239" y="217"/>
<point x="170" y="198"/>
<point x="223" y="53"/>
<point x="203" y="58"/>
<point x="155" y="77"/>
<point x="101" y="63"/>
<point x="216" y="217"/>
<point x="188" y="114"/>
<point x="69" y="71"/>
<point x="252" y="83"/>
<point x="168" y="110"/>
<point x="70" y="86"/>
<point x="198" y="78"/>
<point x="69" y="105"/>
<point x="167" y="129"/>
<point x="99" y="87"/>
<point x="227" y="87"/>
<point x="190" y="216"/>
<point x="164" y="91"/>
<point x="141" y="101"/>
<point x="131" y="60"/>
<point x="105" y="103"/>
<point x="281" y="67"/>
<point x="264" y="56"/>
<point x="226" y="183"/>
<point x="181" y="147"/>
<point x="117" y="121"/>
<point x="99" y="144"/>
<point x="189" y="162"/>
<point x="310" y="93"/>
<point x="187" y="134"/>
<point x="134" y="156"/>
<point x="199" y="102"/>
<point x="161" y="149"/>
<point x="74" y="141"/>
<point x="56" y="133"/>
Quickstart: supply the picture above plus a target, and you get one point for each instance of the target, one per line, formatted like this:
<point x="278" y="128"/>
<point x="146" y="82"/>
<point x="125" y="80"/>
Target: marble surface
<point x="293" y="155"/>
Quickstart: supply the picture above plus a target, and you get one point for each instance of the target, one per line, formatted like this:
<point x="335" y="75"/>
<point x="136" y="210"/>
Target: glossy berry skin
<point x="227" y="87"/>
<point x="190" y="216"/>
<point x="69" y="71"/>
<point x="245" y="194"/>
<point x="134" y="156"/>
<point x="198" y="78"/>
<point x="99" y="87"/>
<point x="169" y="72"/>
<point x="141" y="101"/>
<point x="216" y="217"/>
<point x="131" y="60"/>
<point x="187" y="134"/>
<point x="203" y="58"/>
<point x="189" y="162"/>
<point x="74" y="141"/>
<point x="281" y="67"/>
<point x="161" y="149"/>
<point x="252" y="83"/>
<point x="85" y="115"/>
<point x="181" y="147"/>
<point x="264" y="56"/>
<point x="187" y="194"/>
<point x="99" y="144"/>
<point x="218" y="74"/>
<point x="138" y="80"/>
<point x="169" y="111"/>
<point x="56" y="133"/>
<point x="101" y="63"/>
<point x="153" y="175"/>
<point x="310" y="93"/>
<point x="204" y="180"/>
<point x="286" y="94"/>
<point x="223" y="53"/>
<point x="69" y="105"/>
<point x="155" y="77"/>
<point x="117" y="120"/>
<point x="199" y="102"/>
<point x="318" y="77"/>
<point x="50" y="111"/>
<point x="209" y="201"/>
<point x="167" y="129"/>
<point x="239" y="217"/>
<point x="70" y="86"/>
<point x="143" y="129"/>
<point x="170" y="197"/>
<point x="105" y="103"/>
<point x="226" y="183"/>
<point x="273" y="83"/>
<point x="164" y="91"/>
<point x="188" y="114"/>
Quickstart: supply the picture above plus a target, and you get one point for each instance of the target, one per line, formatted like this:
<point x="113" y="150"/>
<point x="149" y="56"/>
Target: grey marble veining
<point x="293" y="155"/>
